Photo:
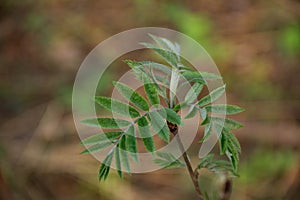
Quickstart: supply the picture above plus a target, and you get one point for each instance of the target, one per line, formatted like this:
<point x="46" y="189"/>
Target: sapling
<point x="158" y="111"/>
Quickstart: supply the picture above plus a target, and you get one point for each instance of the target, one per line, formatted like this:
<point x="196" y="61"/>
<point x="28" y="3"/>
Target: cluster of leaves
<point x="123" y="138"/>
<point x="216" y="165"/>
<point x="161" y="87"/>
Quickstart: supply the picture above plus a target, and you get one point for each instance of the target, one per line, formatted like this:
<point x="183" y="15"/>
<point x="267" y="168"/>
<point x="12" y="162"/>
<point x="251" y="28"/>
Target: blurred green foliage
<point x="289" y="40"/>
<point x="266" y="165"/>
<point x="201" y="28"/>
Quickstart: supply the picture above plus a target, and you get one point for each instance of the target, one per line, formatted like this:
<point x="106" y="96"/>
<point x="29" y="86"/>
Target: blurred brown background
<point x="255" y="44"/>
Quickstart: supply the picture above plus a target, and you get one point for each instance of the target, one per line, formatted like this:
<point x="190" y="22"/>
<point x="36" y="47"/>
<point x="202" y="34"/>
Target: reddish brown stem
<point x="193" y="174"/>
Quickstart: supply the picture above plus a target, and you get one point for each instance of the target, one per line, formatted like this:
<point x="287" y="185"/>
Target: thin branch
<point x="194" y="175"/>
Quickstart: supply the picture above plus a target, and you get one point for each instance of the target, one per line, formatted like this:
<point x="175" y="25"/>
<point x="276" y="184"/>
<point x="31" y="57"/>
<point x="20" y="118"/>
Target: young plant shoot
<point x="157" y="113"/>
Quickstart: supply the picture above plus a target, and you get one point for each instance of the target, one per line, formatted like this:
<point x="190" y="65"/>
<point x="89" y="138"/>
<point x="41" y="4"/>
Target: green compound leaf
<point x="152" y="94"/>
<point x="223" y="143"/>
<point x="144" y="76"/>
<point x="192" y="112"/>
<point x="207" y="132"/>
<point x="124" y="154"/>
<point x="97" y="147"/>
<point x="140" y="71"/>
<point x="167" y="160"/>
<point x="168" y="55"/>
<point x="179" y="106"/>
<point x="201" y="77"/>
<point x="233" y="155"/>
<point x="144" y="130"/>
<point x="159" y="125"/>
<point x="105" y="167"/>
<point x="117" y="106"/>
<point x="163" y="79"/>
<point x="173" y="117"/>
<point x="214" y="95"/>
<point x="204" y="161"/>
<point x="230" y="145"/>
<point x="206" y="119"/>
<point x="229" y="124"/>
<point x="118" y="161"/>
<point x="193" y="93"/>
<point x="137" y="67"/>
<point x="167" y="44"/>
<point x="158" y="66"/>
<point x="106" y="122"/>
<point x="207" y="75"/>
<point x="230" y="137"/>
<point x="130" y="143"/>
<point x="190" y="78"/>
<point x="132" y="96"/>
<point x="104" y="137"/>
<point x="224" y="109"/>
<point x="216" y="165"/>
